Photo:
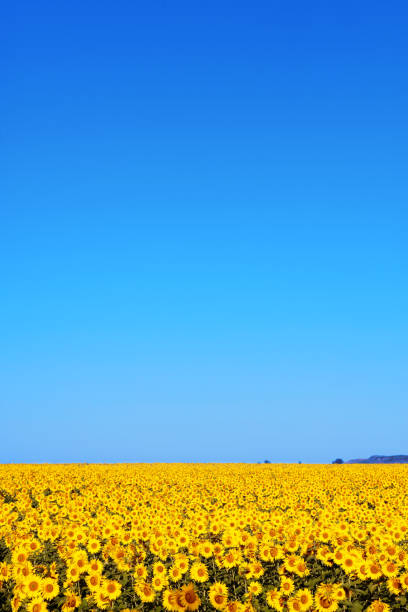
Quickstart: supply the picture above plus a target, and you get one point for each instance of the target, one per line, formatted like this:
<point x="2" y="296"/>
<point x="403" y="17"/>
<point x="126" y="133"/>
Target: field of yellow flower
<point x="207" y="537"/>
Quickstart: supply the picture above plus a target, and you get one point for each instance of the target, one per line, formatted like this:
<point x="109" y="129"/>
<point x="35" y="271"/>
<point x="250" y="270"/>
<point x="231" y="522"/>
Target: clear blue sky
<point x="203" y="231"/>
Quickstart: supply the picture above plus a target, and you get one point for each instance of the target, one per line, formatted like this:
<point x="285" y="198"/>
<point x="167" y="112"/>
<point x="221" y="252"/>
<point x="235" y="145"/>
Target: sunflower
<point x="175" y="573"/>
<point x="302" y="569"/>
<point x="233" y="606"/>
<point x="294" y="605"/>
<point x="95" y="566"/>
<point x="325" y="603"/>
<point x="119" y="557"/>
<point x="245" y="569"/>
<point x="402" y="555"/>
<point x="338" y="592"/>
<point x="73" y="574"/>
<point x="378" y="606"/>
<point x="257" y="569"/>
<point x="20" y="557"/>
<point x="111" y="589"/>
<point x="93" y="546"/>
<point x="15" y="603"/>
<point x="140" y="572"/>
<point x="158" y="568"/>
<point x="338" y="556"/>
<point x="33" y="546"/>
<point x="404" y="581"/>
<point x="276" y="552"/>
<point x="390" y="569"/>
<point x="218" y="549"/>
<point x="189" y="598"/>
<point x="361" y="571"/>
<point x="255" y="588"/>
<point x="53" y="571"/>
<point x="394" y="585"/>
<point x="231" y="559"/>
<point x="230" y="539"/>
<point x="199" y="572"/>
<point x="324" y="555"/>
<point x="374" y="570"/>
<point x="37" y="605"/>
<point x="348" y="563"/>
<point x="50" y="588"/>
<point x="218" y="595"/>
<point x="264" y="553"/>
<point x="33" y="586"/>
<point x="22" y="572"/>
<point x="182" y="562"/>
<point x="290" y="562"/>
<point x="287" y="586"/>
<point x="305" y="598"/>
<point x="93" y="582"/>
<point x="107" y="531"/>
<point x="145" y="592"/>
<point x="170" y="600"/>
<point x="247" y="607"/>
<point x="206" y="549"/>
<point x="292" y="545"/>
<point x="159" y="582"/>
<point x="273" y="597"/>
<point x="101" y="600"/>
<point x="72" y="601"/>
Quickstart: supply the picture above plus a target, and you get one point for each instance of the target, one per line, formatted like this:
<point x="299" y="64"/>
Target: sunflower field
<point x="181" y="537"/>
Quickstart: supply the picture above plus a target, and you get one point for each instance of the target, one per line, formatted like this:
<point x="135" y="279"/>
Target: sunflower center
<point x="190" y="597"/>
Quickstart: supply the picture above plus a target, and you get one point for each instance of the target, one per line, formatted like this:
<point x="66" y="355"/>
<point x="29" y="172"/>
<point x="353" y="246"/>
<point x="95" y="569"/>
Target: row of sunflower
<point x="182" y="537"/>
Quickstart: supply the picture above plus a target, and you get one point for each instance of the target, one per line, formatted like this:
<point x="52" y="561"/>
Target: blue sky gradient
<point x="203" y="231"/>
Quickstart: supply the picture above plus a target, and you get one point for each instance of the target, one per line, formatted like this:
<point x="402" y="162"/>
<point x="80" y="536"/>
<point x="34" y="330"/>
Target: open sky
<point x="203" y="231"/>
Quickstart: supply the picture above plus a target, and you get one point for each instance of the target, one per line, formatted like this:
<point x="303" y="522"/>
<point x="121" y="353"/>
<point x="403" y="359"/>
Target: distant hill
<point x="382" y="459"/>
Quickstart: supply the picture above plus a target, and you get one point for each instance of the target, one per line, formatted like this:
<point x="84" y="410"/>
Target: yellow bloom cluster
<point x="181" y="537"/>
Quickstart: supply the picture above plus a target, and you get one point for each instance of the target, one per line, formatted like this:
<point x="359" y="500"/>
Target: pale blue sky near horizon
<point x="203" y="231"/>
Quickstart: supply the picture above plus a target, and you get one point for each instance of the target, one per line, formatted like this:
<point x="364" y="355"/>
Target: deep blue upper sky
<point x="203" y="231"/>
